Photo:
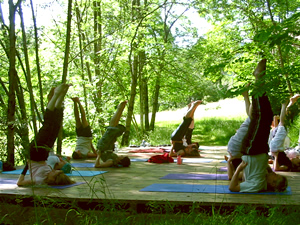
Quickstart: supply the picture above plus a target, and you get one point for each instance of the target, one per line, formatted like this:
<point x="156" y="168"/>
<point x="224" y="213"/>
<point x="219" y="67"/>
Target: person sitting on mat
<point x="84" y="145"/>
<point x="39" y="148"/>
<point x="258" y="176"/>
<point x="105" y="145"/>
<point x="177" y="136"/>
<point x="281" y="161"/>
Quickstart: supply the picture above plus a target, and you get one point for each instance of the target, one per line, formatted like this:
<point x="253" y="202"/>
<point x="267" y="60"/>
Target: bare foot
<point x="75" y="99"/>
<point x="260" y="69"/>
<point x="294" y="98"/>
<point x="124" y="103"/>
<point x="62" y="88"/>
<point x="196" y="103"/>
<point x="51" y="93"/>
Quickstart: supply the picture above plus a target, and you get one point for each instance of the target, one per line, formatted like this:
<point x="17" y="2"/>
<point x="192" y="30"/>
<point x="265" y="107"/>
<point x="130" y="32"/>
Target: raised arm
<point x="21" y="181"/>
<point x="247" y="101"/>
<point x="235" y="181"/>
<point x="276" y="165"/>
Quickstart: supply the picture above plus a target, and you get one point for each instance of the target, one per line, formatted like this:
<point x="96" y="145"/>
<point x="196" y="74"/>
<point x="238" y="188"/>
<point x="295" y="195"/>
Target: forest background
<point x="147" y="52"/>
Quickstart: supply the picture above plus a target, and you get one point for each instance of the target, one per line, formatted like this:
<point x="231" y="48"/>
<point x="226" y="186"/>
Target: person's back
<point x="255" y="173"/>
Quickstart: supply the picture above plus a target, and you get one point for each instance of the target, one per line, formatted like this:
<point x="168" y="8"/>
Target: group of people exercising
<point x="248" y="168"/>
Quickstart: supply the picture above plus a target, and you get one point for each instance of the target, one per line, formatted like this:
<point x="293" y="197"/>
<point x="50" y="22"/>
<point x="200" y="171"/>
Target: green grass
<point x="208" y="131"/>
<point x="157" y="214"/>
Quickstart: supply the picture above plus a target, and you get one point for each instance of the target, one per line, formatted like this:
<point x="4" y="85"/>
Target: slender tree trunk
<point x="65" y="68"/>
<point x="12" y="82"/>
<point x="133" y="63"/>
<point x="28" y="72"/>
<point x="22" y="129"/>
<point x="134" y="76"/>
<point x="155" y="101"/>
<point x="97" y="49"/>
<point x="146" y="105"/>
<point x="37" y="59"/>
<point x="80" y="41"/>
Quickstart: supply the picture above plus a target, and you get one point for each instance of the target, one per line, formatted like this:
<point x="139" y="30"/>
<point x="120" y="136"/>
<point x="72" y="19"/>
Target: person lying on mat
<point x="84" y="145"/>
<point x="178" y="148"/>
<point x="41" y="172"/>
<point x="105" y="145"/>
<point x="235" y="142"/>
<point x="58" y="163"/>
<point x="281" y="161"/>
<point x="258" y="176"/>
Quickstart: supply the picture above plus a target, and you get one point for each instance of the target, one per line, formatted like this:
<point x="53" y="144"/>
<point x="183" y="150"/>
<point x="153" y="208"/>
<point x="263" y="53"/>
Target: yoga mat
<point x="200" y="188"/>
<point x="15" y="172"/>
<point x="151" y="150"/>
<point x="91" y="165"/>
<point x="14" y="181"/>
<point x="194" y="160"/>
<point x="224" y="161"/>
<point x="84" y="173"/>
<point x="223" y="169"/>
<point x="83" y="165"/>
<point x="182" y="176"/>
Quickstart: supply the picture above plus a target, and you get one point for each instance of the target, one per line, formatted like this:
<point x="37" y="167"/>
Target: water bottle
<point x="1" y="166"/>
<point x="179" y="160"/>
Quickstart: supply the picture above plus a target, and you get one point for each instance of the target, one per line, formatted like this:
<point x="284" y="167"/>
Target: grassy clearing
<point x="208" y="131"/>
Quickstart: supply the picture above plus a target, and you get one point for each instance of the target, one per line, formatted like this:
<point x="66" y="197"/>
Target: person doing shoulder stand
<point x="258" y="176"/>
<point x="235" y="142"/>
<point x="40" y="171"/>
<point x="281" y="161"/>
<point x="177" y="136"/>
<point x="84" y="144"/>
<point x="105" y="145"/>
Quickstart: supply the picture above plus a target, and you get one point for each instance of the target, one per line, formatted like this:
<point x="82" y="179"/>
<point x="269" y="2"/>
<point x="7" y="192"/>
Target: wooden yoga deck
<point x="122" y="186"/>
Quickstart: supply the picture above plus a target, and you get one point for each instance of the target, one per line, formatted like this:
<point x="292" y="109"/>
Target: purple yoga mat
<point x="182" y="176"/>
<point x="223" y="169"/>
<point x="202" y="188"/>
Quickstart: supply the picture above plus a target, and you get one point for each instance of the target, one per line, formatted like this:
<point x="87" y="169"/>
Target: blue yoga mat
<point x="15" y="172"/>
<point x="83" y="173"/>
<point x="194" y="160"/>
<point x="14" y="181"/>
<point x="200" y="188"/>
<point x="83" y="165"/>
<point x="182" y="176"/>
<point x="224" y="161"/>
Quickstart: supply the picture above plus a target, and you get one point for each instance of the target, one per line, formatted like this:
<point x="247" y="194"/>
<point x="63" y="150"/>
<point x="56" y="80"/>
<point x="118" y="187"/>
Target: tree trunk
<point x="37" y="59"/>
<point x="11" y="106"/>
<point x="155" y="101"/>
<point x="125" y="138"/>
<point x="97" y="49"/>
<point x="81" y="51"/>
<point x="65" y="69"/>
<point x="146" y="105"/>
<point x="28" y="73"/>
